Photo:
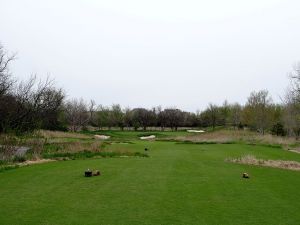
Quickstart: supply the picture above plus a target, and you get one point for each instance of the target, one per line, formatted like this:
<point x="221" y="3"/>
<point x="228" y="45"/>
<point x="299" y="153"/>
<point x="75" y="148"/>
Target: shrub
<point x="278" y="130"/>
<point x="19" y="159"/>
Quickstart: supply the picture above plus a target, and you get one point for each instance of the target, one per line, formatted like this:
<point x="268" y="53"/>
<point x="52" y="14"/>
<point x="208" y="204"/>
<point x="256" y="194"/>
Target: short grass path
<point x="177" y="184"/>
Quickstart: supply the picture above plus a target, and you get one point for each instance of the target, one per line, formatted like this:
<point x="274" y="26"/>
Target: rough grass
<point x="252" y="160"/>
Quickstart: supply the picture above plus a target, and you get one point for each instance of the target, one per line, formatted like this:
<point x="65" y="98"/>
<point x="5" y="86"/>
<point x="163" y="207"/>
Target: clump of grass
<point x="252" y="160"/>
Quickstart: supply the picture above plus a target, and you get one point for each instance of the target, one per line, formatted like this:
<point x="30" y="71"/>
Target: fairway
<point x="177" y="184"/>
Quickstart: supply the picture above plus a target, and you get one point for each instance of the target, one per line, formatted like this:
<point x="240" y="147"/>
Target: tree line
<point x="35" y="104"/>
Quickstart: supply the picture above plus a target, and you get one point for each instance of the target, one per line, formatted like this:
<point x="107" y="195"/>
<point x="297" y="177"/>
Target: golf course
<point x="173" y="182"/>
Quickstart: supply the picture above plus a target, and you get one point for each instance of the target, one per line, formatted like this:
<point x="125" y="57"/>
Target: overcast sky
<point x="160" y="52"/>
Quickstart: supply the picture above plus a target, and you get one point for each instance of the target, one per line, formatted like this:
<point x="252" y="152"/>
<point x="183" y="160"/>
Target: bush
<point x="278" y="130"/>
<point x="18" y="159"/>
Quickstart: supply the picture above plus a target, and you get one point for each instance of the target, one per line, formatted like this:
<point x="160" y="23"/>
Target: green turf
<point x="177" y="184"/>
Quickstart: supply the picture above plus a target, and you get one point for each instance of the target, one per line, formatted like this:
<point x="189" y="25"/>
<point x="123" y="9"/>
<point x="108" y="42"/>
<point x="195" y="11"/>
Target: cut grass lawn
<point x="177" y="184"/>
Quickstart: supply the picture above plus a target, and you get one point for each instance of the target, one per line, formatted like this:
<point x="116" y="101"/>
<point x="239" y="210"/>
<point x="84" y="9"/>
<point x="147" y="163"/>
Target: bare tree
<point x="294" y="89"/>
<point x="6" y="82"/>
<point x="102" y="116"/>
<point x="258" y="110"/>
<point x="235" y="114"/>
<point x="174" y="118"/>
<point x="92" y="110"/>
<point x="291" y="117"/>
<point x="52" y="109"/>
<point x="117" y="116"/>
<point x="213" y="113"/>
<point x="161" y="118"/>
<point x="225" y="113"/>
<point x="142" y="117"/>
<point x="25" y="107"/>
<point x="127" y="117"/>
<point x="76" y="114"/>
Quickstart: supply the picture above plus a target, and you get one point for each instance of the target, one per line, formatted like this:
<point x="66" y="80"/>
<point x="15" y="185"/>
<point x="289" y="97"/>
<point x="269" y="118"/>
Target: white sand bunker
<point x="101" y="137"/>
<point x="147" y="137"/>
<point x="195" y="131"/>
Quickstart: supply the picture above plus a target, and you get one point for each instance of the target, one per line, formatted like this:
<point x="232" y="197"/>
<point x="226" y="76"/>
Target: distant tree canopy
<point x="35" y="104"/>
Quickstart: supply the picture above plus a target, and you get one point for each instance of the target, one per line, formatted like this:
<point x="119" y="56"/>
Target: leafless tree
<point x="142" y="117"/>
<point x="213" y="115"/>
<point x="6" y="81"/>
<point x="127" y="117"/>
<point x="291" y="116"/>
<point x="92" y="110"/>
<point x="117" y="116"/>
<point x="102" y="116"/>
<point x="26" y="106"/>
<point x="258" y="110"/>
<point x="294" y="89"/>
<point x="174" y="118"/>
<point x="235" y="114"/>
<point x="76" y="114"/>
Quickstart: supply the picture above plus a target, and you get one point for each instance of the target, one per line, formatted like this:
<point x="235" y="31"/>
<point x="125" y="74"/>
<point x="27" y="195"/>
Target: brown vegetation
<point x="60" y="134"/>
<point x="77" y="146"/>
<point x="252" y="160"/>
<point x="226" y="136"/>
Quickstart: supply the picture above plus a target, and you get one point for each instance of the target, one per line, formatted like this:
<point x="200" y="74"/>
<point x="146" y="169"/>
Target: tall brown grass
<point x="252" y="160"/>
<point x="225" y="136"/>
<point x="8" y="147"/>
<point x="77" y="146"/>
<point x="60" y="134"/>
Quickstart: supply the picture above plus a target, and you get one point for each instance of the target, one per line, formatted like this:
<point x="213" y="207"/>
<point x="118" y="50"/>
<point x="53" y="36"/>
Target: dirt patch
<point x="252" y="160"/>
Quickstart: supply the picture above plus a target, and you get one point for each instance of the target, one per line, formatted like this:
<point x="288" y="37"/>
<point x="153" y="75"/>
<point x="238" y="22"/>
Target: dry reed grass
<point x="60" y="134"/>
<point x="252" y="160"/>
<point x="225" y="136"/>
<point x="73" y="147"/>
<point x="8" y="147"/>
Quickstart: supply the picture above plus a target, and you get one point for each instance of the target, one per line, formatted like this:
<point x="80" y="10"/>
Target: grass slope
<point x="177" y="184"/>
